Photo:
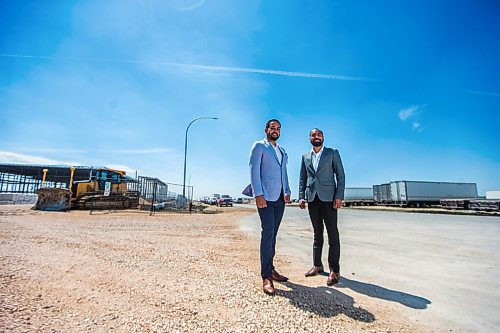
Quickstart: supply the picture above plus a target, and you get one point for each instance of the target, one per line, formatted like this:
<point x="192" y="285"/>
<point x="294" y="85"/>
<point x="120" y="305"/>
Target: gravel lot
<point x="172" y="272"/>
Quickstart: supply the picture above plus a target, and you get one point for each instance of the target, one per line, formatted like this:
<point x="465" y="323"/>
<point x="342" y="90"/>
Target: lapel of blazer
<point x="270" y="146"/>
<point x="308" y="162"/>
<point x="283" y="154"/>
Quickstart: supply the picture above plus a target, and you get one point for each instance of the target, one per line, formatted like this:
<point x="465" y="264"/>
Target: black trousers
<point x="323" y="214"/>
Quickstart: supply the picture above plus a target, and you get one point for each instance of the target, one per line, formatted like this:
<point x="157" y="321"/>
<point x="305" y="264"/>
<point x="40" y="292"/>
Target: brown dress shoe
<point x="333" y="278"/>
<point x="315" y="270"/>
<point x="268" y="287"/>
<point x="278" y="277"/>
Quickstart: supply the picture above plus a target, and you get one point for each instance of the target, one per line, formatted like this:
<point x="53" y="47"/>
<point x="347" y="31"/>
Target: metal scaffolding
<point x="18" y="178"/>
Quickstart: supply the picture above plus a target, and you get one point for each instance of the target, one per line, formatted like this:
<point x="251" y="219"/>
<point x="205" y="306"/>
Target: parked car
<point x="212" y="200"/>
<point x="225" y="200"/>
<point x="238" y="200"/>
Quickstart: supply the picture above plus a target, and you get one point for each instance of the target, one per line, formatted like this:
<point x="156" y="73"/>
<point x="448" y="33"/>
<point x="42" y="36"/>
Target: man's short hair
<point x="315" y="129"/>
<point x="270" y="121"/>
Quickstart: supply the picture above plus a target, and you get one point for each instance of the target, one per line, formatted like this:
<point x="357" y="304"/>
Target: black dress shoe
<point x="278" y="277"/>
<point x="315" y="270"/>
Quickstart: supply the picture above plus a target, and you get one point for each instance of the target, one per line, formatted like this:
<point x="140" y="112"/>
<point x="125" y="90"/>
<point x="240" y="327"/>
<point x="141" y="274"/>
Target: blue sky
<point x="404" y="90"/>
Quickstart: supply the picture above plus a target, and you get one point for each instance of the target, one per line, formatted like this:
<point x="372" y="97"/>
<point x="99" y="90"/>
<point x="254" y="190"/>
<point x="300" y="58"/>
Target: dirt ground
<point x="171" y="272"/>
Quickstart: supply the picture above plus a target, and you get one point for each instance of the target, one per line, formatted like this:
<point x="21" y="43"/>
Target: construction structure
<point x="61" y="187"/>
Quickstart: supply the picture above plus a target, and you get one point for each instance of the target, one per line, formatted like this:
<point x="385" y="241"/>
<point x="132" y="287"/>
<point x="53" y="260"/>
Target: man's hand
<point x="260" y="201"/>
<point x="302" y="204"/>
<point x="287" y="199"/>
<point x="337" y="203"/>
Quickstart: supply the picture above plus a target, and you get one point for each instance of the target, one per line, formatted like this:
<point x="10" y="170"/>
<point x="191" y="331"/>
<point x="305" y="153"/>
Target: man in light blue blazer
<point x="269" y="181"/>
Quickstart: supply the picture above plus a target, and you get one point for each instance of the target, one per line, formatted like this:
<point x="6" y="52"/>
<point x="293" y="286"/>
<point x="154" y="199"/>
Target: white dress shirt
<point x="278" y="152"/>
<point x="315" y="162"/>
<point x="315" y="157"/>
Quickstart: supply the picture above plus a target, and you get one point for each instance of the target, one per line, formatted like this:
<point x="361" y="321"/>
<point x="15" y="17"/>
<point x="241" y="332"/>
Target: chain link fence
<point x="156" y="195"/>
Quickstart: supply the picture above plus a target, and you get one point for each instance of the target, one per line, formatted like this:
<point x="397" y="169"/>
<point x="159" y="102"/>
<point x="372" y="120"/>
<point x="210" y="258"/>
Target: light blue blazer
<point x="268" y="176"/>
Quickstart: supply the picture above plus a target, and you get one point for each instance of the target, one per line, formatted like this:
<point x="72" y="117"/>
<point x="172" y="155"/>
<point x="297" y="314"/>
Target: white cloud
<point x="409" y="112"/>
<point x="128" y="170"/>
<point x="414" y="113"/>
<point x="482" y="93"/>
<point x="187" y="6"/>
<point x="202" y="67"/>
<point x="139" y="151"/>
<point x="54" y="150"/>
<point x="15" y="158"/>
<point x="266" y="71"/>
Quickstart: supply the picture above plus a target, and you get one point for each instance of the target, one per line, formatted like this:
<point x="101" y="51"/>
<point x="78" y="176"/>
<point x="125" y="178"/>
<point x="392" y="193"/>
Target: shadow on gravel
<point x="412" y="301"/>
<point x="324" y="301"/>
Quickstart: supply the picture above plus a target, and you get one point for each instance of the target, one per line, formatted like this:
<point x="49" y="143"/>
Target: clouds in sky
<point x="408" y="112"/>
<point x="200" y="67"/>
<point x="51" y="150"/>
<point x="140" y="151"/>
<point x="15" y="158"/>
<point x="269" y="72"/>
<point x="129" y="171"/>
<point x="187" y="5"/>
<point x="115" y="83"/>
<point x="482" y="93"/>
<point x="413" y="115"/>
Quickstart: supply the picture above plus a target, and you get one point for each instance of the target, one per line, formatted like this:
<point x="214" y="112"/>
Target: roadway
<point x="438" y="270"/>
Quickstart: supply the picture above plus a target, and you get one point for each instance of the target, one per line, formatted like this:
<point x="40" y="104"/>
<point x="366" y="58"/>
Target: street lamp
<point x="185" y="151"/>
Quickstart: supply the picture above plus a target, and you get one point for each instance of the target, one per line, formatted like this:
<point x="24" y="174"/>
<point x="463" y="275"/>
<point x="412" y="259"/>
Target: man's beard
<point x="273" y="136"/>
<point x="317" y="143"/>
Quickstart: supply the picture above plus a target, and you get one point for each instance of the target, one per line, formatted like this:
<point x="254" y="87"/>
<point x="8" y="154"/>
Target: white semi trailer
<point x="422" y="193"/>
<point x="358" y="196"/>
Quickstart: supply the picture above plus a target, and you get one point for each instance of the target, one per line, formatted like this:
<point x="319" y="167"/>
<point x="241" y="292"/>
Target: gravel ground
<point x="172" y="272"/>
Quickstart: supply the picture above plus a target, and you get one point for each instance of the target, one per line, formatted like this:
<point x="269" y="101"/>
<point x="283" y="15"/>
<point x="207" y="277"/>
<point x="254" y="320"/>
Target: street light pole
<point x="185" y="151"/>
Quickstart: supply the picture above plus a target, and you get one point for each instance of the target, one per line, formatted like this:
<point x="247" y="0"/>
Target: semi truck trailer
<point x="422" y="193"/>
<point x="358" y="196"/>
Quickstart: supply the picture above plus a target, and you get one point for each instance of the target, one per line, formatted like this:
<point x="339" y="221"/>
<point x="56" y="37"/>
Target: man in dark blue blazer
<point x="269" y="181"/>
<point x="322" y="184"/>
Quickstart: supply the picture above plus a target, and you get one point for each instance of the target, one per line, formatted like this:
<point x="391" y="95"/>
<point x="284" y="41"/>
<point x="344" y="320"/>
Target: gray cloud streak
<point x="482" y="93"/>
<point x="203" y="67"/>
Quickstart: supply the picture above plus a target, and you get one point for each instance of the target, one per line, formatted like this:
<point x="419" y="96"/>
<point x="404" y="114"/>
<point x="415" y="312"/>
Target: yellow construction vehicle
<point x="61" y="187"/>
<point x="105" y="188"/>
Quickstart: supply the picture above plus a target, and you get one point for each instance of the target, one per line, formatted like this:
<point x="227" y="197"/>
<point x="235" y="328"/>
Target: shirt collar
<point x="277" y="145"/>
<point x="319" y="152"/>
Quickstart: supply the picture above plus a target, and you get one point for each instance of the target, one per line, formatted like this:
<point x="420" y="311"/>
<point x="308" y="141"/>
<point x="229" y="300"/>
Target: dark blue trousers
<point x="270" y="219"/>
